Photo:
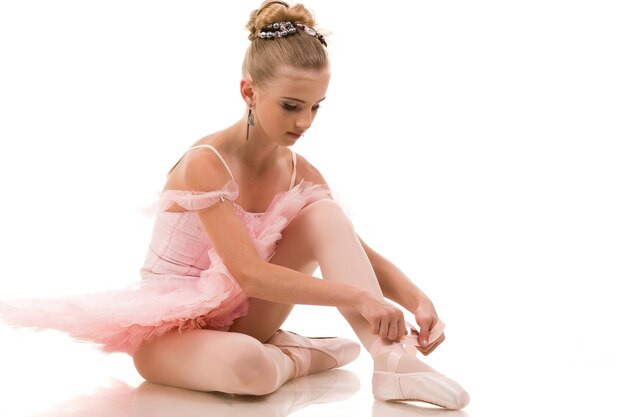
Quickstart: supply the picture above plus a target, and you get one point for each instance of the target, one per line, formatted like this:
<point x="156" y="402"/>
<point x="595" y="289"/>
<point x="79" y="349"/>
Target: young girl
<point x="242" y="223"/>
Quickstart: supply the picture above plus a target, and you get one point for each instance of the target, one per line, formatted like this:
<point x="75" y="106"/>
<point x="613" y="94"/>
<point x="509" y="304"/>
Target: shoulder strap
<point x="206" y="145"/>
<point x="293" y="174"/>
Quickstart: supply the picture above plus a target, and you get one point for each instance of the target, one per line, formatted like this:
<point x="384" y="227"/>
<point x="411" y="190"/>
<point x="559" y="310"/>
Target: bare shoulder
<point x="308" y="171"/>
<point x="198" y="170"/>
<point x="201" y="170"/>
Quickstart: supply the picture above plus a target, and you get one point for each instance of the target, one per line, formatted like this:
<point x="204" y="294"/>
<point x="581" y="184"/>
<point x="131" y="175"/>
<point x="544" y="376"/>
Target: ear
<point x="246" y="88"/>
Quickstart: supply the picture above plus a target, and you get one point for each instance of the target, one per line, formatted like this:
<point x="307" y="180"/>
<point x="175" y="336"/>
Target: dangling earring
<point x="250" y="122"/>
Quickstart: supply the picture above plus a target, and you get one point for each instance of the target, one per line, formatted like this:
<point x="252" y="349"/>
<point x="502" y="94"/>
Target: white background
<point x="478" y="145"/>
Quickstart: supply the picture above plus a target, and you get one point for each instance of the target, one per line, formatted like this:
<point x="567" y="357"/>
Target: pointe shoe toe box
<point x="430" y="387"/>
<point x="342" y="350"/>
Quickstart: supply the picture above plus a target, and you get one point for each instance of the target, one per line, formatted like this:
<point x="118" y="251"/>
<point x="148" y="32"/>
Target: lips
<point x="294" y="135"/>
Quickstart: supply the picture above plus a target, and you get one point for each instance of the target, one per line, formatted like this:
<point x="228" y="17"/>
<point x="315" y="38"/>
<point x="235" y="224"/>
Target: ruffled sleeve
<point x="194" y="200"/>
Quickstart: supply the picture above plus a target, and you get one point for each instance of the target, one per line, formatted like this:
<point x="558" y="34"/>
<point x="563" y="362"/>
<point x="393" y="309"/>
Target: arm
<point x="395" y="284"/>
<point x="398" y="287"/>
<point x="258" y="278"/>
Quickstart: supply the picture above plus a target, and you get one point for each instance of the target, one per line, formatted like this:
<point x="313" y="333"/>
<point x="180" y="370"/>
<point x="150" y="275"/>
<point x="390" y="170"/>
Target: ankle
<point x="386" y="354"/>
<point x="381" y="362"/>
<point x="392" y="357"/>
<point x="301" y="358"/>
<point x="321" y="361"/>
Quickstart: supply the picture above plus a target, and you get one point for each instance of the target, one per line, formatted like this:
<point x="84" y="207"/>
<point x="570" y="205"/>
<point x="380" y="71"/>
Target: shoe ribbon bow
<point x="410" y="341"/>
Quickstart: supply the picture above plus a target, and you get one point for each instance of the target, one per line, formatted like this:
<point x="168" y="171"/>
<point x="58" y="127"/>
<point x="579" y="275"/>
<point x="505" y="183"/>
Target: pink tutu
<point x="184" y="284"/>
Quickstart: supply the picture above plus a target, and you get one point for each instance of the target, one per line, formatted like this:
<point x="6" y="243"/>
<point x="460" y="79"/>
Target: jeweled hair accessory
<point x="282" y="29"/>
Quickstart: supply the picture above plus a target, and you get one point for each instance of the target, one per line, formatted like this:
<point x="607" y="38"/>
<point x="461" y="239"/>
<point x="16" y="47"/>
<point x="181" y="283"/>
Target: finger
<point x="393" y="331"/>
<point x="375" y="326"/>
<point x="430" y="348"/>
<point x="437" y="342"/>
<point x="424" y="333"/>
<point x="401" y="329"/>
<point x="384" y="329"/>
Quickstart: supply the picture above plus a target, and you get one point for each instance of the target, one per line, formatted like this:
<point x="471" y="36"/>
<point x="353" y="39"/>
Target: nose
<point x="305" y="120"/>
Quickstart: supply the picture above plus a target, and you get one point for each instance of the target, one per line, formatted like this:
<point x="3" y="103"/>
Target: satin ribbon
<point x="410" y="341"/>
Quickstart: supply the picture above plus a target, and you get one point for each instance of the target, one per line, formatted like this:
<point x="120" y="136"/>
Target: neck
<point x="256" y="154"/>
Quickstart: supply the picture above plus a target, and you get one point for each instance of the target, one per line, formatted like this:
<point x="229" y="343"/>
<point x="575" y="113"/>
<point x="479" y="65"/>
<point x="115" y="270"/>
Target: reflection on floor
<point x="153" y="400"/>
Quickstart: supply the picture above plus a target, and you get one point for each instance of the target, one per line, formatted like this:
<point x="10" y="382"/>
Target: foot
<point x="315" y="354"/>
<point x="399" y="376"/>
<point x="320" y="361"/>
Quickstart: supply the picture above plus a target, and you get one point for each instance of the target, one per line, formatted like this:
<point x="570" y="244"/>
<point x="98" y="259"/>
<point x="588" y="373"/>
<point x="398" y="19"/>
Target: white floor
<point x="48" y="374"/>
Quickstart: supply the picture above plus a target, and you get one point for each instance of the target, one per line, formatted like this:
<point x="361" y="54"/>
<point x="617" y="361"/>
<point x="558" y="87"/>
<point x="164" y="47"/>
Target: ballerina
<point x="242" y="223"/>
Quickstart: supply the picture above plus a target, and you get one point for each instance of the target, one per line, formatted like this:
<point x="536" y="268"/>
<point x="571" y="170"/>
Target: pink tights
<point x="238" y="362"/>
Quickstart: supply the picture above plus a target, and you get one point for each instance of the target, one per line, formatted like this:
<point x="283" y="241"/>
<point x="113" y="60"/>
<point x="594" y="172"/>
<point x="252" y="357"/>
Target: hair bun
<point x="272" y="11"/>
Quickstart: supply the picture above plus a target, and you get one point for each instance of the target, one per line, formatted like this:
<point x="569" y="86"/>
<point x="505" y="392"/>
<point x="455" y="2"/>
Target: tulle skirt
<point x="120" y="320"/>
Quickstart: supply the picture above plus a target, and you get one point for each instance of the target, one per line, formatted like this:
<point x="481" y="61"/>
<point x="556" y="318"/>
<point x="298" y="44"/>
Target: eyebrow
<point x="301" y="101"/>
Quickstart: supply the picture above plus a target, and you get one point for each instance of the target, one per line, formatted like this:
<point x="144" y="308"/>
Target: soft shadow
<point x="153" y="400"/>
<point x="399" y="409"/>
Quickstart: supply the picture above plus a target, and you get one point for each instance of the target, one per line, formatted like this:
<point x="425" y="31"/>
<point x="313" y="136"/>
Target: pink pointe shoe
<point x="429" y="387"/>
<point x="298" y="347"/>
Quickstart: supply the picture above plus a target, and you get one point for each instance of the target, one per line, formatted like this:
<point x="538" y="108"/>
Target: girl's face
<point x="285" y="108"/>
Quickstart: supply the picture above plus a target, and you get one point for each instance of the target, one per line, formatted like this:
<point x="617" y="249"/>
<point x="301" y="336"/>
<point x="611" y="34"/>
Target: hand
<point x="426" y="318"/>
<point x="386" y="320"/>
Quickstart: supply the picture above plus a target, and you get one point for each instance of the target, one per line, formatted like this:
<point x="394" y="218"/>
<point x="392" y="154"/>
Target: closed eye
<point x="289" y="107"/>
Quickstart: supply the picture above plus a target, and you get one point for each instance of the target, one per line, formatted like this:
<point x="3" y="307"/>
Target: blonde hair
<point x="299" y="51"/>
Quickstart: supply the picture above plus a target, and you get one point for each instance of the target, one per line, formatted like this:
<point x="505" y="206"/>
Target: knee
<point x="326" y="214"/>
<point x="143" y="362"/>
<point x="256" y="372"/>
<point x="325" y="205"/>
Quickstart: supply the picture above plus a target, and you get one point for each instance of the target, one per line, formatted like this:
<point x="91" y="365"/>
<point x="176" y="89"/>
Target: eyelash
<point x="289" y="107"/>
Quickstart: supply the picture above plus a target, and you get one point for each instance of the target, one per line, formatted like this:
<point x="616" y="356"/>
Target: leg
<point x="321" y="231"/>
<point x="210" y="360"/>
<point x="334" y="243"/>
<point x="264" y="318"/>
<point x="331" y="238"/>
<point x="204" y="359"/>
